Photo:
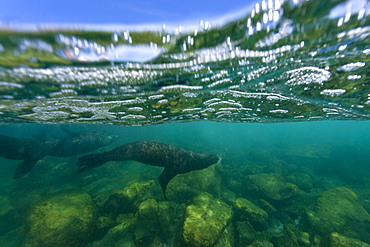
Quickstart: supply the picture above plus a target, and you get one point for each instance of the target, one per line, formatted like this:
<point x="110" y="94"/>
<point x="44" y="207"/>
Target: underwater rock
<point x="184" y="187"/>
<point x="170" y="220"/>
<point x="147" y="223"/>
<point x="334" y="239"/>
<point x="302" y="180"/>
<point x="15" y="237"/>
<point x="66" y="218"/>
<point x="246" y="234"/>
<point x="99" y="189"/>
<point x="304" y="239"/>
<point x="262" y="243"/>
<point x="338" y="210"/>
<point x="120" y="235"/>
<point x="9" y="215"/>
<point x="270" y="186"/>
<point x="285" y="238"/>
<point x="245" y="210"/>
<point x="205" y="221"/>
<point x="227" y="238"/>
<point x="128" y="199"/>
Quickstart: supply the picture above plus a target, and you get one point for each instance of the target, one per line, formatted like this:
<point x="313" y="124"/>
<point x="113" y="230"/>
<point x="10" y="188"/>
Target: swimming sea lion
<point x="28" y="150"/>
<point x="174" y="160"/>
<point x="78" y="143"/>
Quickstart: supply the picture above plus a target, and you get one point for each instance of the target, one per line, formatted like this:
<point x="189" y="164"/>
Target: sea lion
<point x="174" y="160"/>
<point x="28" y="150"/>
<point x="33" y="150"/>
<point x="78" y="143"/>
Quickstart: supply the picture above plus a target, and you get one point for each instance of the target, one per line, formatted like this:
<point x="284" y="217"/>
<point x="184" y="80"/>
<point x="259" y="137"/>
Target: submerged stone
<point x="335" y="239"/>
<point x="146" y="227"/>
<point x="246" y="234"/>
<point x="121" y="234"/>
<point x="247" y="211"/>
<point x="285" y="238"/>
<point x="338" y="210"/>
<point x="170" y="221"/>
<point x="205" y="220"/>
<point x="270" y="186"/>
<point x="262" y="243"/>
<point x="184" y="187"/>
<point x="10" y="217"/>
<point x="63" y="219"/>
<point x="128" y="199"/>
<point x="302" y="180"/>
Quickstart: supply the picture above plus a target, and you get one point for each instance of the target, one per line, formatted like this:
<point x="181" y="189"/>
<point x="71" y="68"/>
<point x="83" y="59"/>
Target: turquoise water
<point x="280" y="94"/>
<point x="316" y="156"/>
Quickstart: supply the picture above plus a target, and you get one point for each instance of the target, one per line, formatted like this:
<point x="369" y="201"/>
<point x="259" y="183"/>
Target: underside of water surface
<point x="285" y="184"/>
<point x="283" y="61"/>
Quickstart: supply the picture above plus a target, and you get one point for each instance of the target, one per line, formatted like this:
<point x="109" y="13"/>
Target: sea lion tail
<point x="91" y="161"/>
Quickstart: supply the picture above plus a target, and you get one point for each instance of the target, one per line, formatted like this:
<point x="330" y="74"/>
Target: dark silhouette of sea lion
<point x="78" y="143"/>
<point x="28" y="150"/>
<point x="32" y="150"/>
<point x="174" y="160"/>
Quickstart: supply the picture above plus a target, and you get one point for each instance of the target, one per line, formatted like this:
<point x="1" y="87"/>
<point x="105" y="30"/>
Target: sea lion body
<point x="21" y="148"/>
<point x="174" y="160"/>
<point x="28" y="150"/>
<point x="74" y="144"/>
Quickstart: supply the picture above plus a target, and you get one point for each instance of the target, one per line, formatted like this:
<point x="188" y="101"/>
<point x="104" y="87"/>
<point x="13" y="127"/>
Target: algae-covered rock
<point x="10" y="216"/>
<point x="286" y="238"/>
<point x="270" y="186"/>
<point x="246" y="234"/>
<point x="63" y="219"/>
<point x="184" y="187"/>
<point x="205" y="220"/>
<point x="262" y="243"/>
<point x="334" y="239"/>
<point x="304" y="239"/>
<point x="13" y="238"/>
<point x="302" y="180"/>
<point x="120" y="235"/>
<point x="247" y="211"/>
<point x="338" y="210"/>
<point x="147" y="223"/>
<point x="128" y="199"/>
<point x="170" y="221"/>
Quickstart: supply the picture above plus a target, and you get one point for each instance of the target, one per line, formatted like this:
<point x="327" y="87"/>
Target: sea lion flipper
<point x="165" y="178"/>
<point x="24" y="168"/>
<point x="88" y="162"/>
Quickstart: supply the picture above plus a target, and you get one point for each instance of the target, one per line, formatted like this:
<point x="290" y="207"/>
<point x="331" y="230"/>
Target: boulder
<point x="246" y="234"/>
<point x="302" y="180"/>
<point x="170" y="221"/>
<point x="205" y="221"/>
<point x="10" y="216"/>
<point x="286" y="238"/>
<point x="66" y="218"/>
<point x="184" y="187"/>
<point x="338" y="210"/>
<point x="128" y="199"/>
<point x="245" y="210"/>
<point x="262" y="243"/>
<point x="146" y="227"/>
<point x="120" y="235"/>
<point x="270" y="186"/>
<point x="335" y="239"/>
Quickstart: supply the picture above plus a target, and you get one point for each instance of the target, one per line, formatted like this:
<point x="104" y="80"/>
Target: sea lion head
<point x="208" y="160"/>
<point x="109" y="139"/>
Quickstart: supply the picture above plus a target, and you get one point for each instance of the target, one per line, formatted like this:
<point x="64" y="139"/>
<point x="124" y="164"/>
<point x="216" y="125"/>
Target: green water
<point x="316" y="156"/>
<point x="280" y="94"/>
